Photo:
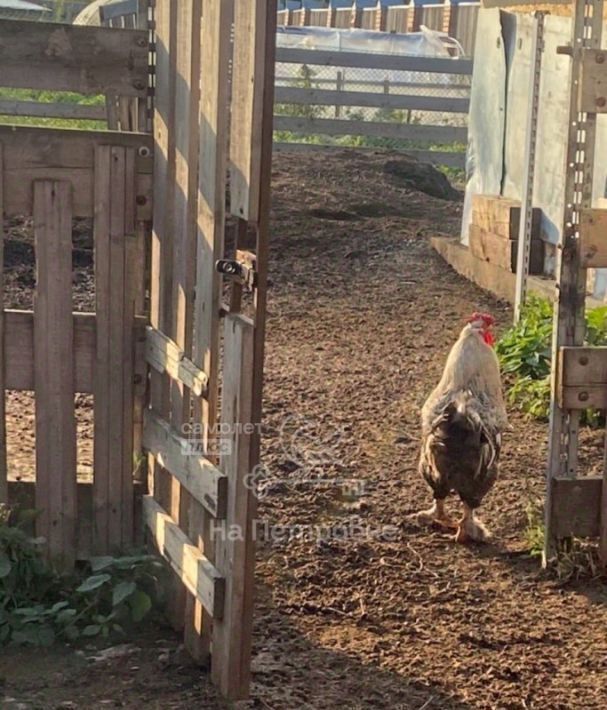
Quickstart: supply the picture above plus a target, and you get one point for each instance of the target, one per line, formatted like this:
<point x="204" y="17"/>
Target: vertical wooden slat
<point x="54" y="370"/>
<point x="217" y="16"/>
<point x="161" y="252"/>
<point x="3" y="461"/>
<point x="160" y="482"/>
<point x="247" y="108"/>
<point x="235" y="554"/>
<point x="187" y="102"/>
<point x="252" y="101"/>
<point x="115" y="249"/>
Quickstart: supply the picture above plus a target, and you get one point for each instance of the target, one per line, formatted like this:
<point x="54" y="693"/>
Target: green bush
<point x="38" y="605"/>
<point x="525" y="354"/>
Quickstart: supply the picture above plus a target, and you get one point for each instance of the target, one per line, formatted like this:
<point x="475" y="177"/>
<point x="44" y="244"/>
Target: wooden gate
<point x="206" y="373"/>
<point x="57" y="176"/>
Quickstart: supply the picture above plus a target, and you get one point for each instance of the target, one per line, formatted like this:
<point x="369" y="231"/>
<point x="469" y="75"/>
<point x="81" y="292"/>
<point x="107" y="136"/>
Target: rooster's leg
<point x="471" y="529"/>
<point x="436" y="514"/>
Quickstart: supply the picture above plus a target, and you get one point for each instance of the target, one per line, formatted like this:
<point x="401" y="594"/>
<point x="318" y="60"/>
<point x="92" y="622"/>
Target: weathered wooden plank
<point x="235" y="554"/>
<point x="247" y="104"/>
<point x="184" y="459"/>
<point x="165" y="356"/>
<point x="115" y="304"/>
<point x="576" y="506"/>
<point x="593" y="238"/>
<point x="195" y="571"/>
<point x="216" y="52"/>
<point x="19" y="350"/>
<point x="364" y="99"/>
<point x="583" y="365"/>
<point x="383" y="129"/>
<point x="578" y="397"/>
<point x="592" y="90"/>
<point x="54" y="371"/>
<point x="88" y="60"/>
<point x="41" y="109"/>
<point x="455" y="160"/>
<point x="363" y="60"/>
<point x="186" y="510"/>
<point x="486" y="275"/>
<point x="501" y="215"/>
<point x="32" y="153"/>
<point x="503" y="252"/>
<point x="3" y="461"/>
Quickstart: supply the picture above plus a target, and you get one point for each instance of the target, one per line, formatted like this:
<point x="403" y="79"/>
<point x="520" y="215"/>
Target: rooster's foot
<point x="437" y="515"/>
<point x="471" y="530"/>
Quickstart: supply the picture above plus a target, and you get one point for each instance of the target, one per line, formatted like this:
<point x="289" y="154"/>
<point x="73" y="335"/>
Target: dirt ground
<point x="364" y="609"/>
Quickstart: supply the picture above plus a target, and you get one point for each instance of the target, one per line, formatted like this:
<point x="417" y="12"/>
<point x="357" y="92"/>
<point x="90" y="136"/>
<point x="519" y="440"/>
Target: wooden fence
<point x="158" y="344"/>
<point x="430" y="94"/>
<point x="55" y="176"/>
<point x="127" y="96"/>
<point x="457" y="20"/>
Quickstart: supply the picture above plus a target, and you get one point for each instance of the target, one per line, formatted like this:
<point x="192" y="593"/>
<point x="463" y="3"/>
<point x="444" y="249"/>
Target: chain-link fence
<point x="324" y="97"/>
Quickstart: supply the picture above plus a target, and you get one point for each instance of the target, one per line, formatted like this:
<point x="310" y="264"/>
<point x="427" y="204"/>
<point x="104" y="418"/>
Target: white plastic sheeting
<point x="426" y="43"/>
<point x="485" y="155"/>
<point x="500" y="83"/>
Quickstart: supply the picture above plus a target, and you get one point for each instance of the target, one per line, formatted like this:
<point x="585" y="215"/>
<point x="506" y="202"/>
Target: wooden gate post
<point x="54" y="371"/>
<point x="234" y="544"/>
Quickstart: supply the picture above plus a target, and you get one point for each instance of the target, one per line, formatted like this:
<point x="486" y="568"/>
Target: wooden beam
<point x="182" y="457"/>
<point x="576" y="506"/>
<point x="502" y="251"/>
<point x="582" y="381"/>
<point x="54" y="371"/>
<point x="33" y="153"/>
<point x="328" y="97"/>
<point x="593" y="238"/>
<point x="165" y="356"/>
<point x="115" y="293"/>
<point x="87" y="60"/>
<point x="235" y="554"/>
<point x="41" y="109"/>
<point x="592" y="90"/>
<point x="501" y="215"/>
<point x="491" y="277"/>
<point x="363" y="60"/>
<point x="19" y="350"/>
<point x="194" y="570"/>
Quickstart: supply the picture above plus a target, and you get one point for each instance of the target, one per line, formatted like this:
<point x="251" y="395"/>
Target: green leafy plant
<point x="525" y="354"/>
<point x="104" y="598"/>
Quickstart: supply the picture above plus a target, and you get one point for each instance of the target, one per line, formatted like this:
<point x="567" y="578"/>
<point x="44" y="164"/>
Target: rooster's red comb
<point x="487" y="318"/>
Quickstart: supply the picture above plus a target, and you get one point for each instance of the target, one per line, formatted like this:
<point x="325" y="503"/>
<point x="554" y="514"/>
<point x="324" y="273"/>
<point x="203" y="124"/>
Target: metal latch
<point x="242" y="268"/>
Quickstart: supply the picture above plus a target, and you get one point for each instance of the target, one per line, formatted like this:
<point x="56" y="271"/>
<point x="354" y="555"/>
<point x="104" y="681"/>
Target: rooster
<point x="462" y="422"/>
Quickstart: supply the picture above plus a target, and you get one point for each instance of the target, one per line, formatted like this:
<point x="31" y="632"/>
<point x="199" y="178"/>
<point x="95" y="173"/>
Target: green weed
<point x="38" y="605"/>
